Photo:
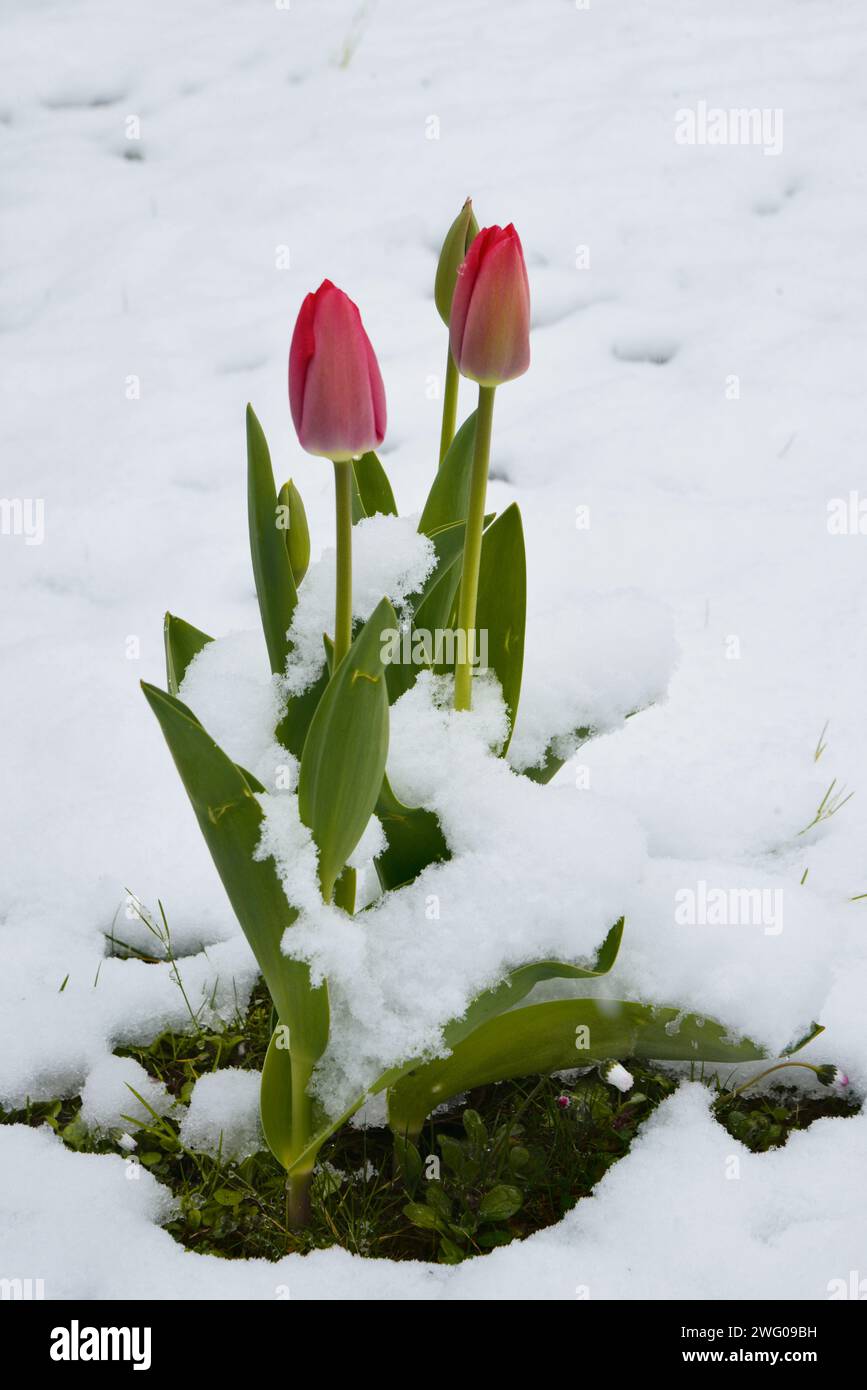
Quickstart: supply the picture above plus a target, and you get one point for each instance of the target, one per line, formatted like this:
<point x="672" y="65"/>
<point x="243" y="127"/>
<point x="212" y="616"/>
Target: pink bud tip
<point x="490" y="314"/>
<point x="336" y="393"/>
<point x="564" y="1102"/>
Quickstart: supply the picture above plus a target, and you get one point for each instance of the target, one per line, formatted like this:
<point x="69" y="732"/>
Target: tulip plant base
<point x="517" y="1140"/>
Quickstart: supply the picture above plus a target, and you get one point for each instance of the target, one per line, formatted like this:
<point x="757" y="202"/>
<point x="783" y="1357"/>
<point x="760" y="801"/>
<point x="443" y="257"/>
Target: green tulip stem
<point x="298" y="1200"/>
<point x="343" y="600"/>
<point x="473" y="548"/>
<point x="450" y="406"/>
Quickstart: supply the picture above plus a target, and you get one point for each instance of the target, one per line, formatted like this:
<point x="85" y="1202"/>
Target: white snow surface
<point x="146" y="301"/>
<point x="416" y="958"/>
<point x="223" y="1115"/>
<point x="783" y="1227"/>
<point x="110" y="1096"/>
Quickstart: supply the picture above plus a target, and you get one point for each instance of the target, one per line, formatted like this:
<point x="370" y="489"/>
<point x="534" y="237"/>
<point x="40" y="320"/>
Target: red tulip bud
<point x="335" y="389"/>
<point x="490" y="316"/>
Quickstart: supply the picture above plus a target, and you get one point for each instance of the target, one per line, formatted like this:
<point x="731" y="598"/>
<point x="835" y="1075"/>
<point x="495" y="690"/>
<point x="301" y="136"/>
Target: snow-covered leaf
<point x="343" y="763"/>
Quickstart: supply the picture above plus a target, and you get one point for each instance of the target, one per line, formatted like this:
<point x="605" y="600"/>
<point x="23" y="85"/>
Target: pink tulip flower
<point x="335" y="388"/>
<point x="490" y="314"/>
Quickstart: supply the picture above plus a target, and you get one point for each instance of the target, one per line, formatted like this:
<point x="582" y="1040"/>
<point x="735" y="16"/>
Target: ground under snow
<point x="152" y="264"/>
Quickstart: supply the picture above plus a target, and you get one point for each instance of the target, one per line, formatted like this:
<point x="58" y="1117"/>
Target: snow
<point x="774" y="1225"/>
<point x="109" y="1098"/>
<point x="400" y="972"/>
<point x="617" y="1075"/>
<point x="696" y="386"/>
<point x="223" y="1115"/>
<point x="589" y="663"/>
<point x="245" y="716"/>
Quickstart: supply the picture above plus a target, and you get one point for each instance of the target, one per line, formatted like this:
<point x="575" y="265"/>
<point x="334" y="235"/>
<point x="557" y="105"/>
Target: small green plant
<point x="479" y="1189"/>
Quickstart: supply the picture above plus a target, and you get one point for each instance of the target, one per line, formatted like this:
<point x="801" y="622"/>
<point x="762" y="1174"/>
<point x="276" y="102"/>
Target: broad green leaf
<point x="407" y="1161"/>
<point x="422" y="1215"/>
<point x="292" y="730"/>
<point x="230" y="819"/>
<point x="272" y="571"/>
<point x="554" y="1036"/>
<point x="182" y="643"/>
<point x="275" y="1099"/>
<point x="414" y="840"/>
<point x="542" y="1038"/>
<point x="229" y="1196"/>
<point x="449" y="498"/>
<point x="373" y="487"/>
<point x="343" y="763"/>
<point x="518" y="984"/>
<point x="500" y="1203"/>
<point x="501" y="610"/>
<point x="296" y="532"/>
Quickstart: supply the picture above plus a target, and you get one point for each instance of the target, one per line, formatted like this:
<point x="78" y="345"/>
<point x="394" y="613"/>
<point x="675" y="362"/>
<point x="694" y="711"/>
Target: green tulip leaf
<point x="292" y="519"/>
<point x="275" y="586"/>
<point x="230" y="819"/>
<point x="501" y="610"/>
<point x="518" y="984"/>
<point x="343" y="762"/>
<point x="371" y="486"/>
<point x="414" y="836"/>
<point x="275" y="1099"/>
<point x="552" y="762"/>
<point x="430" y="606"/>
<point x="433" y="609"/>
<point x="557" y="1035"/>
<point x="182" y="643"/>
<point x="293" y="727"/>
<point x="449" y="498"/>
